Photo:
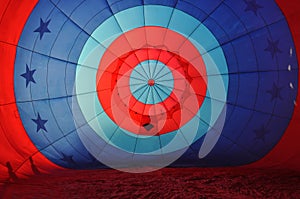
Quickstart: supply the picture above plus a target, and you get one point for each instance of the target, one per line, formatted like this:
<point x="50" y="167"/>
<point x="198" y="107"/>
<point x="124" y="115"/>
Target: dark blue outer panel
<point x="256" y="43"/>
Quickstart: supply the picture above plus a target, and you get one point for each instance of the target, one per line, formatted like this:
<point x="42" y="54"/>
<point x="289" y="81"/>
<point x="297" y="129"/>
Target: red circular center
<point x="151" y="82"/>
<point x="173" y="50"/>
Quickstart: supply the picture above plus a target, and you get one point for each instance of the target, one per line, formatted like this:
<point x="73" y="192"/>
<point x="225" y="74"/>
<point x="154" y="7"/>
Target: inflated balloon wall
<point x="145" y="84"/>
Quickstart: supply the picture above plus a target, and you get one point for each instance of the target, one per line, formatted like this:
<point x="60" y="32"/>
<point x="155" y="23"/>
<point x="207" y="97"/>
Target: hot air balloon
<point x="145" y="84"/>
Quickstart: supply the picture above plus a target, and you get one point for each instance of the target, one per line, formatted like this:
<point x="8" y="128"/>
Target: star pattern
<point x="275" y="92"/>
<point x="28" y="75"/>
<point x="40" y="123"/>
<point x="261" y="133"/>
<point x="252" y="6"/>
<point x="43" y="28"/>
<point x="273" y="47"/>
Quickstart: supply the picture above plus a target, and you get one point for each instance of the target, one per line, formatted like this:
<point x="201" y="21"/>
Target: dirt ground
<point x="166" y="183"/>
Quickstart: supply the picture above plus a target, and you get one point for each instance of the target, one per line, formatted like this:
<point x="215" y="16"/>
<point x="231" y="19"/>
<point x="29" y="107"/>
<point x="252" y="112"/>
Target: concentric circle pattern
<point x="141" y="85"/>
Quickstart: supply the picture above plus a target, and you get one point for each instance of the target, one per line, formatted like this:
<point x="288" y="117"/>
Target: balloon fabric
<point x="145" y="84"/>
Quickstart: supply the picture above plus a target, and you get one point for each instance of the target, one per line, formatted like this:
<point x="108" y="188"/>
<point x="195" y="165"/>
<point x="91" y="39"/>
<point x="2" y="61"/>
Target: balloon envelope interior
<point x="141" y="85"/>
